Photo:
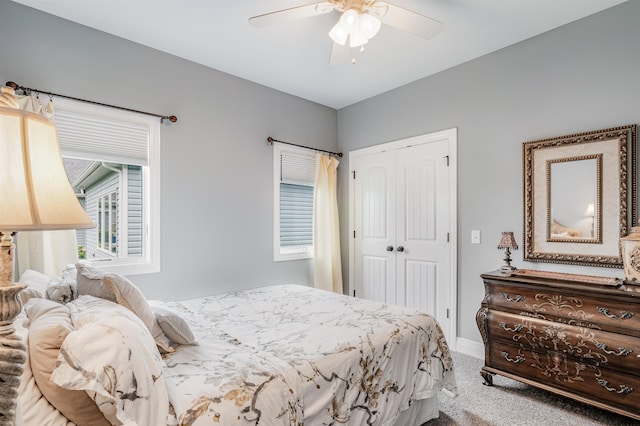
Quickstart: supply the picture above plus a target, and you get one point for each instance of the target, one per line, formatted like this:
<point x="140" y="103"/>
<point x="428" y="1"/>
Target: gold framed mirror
<point x="579" y="195"/>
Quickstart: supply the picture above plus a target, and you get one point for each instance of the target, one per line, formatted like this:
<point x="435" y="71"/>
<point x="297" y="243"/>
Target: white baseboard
<point x="469" y="347"/>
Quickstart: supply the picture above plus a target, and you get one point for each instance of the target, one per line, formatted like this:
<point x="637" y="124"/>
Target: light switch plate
<point x="475" y="237"/>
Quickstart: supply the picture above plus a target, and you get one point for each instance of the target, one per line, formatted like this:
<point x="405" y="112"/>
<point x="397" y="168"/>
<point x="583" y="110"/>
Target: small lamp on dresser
<point x="35" y="195"/>
<point x="508" y="243"/>
<point x="591" y="214"/>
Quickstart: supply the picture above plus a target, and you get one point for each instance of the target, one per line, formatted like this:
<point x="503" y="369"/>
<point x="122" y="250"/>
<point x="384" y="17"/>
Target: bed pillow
<point x="29" y="293"/>
<point x="89" y="281"/>
<point x="112" y="356"/>
<point x="61" y="291"/>
<point x="129" y="296"/>
<point x="34" y="407"/>
<point x="35" y="281"/>
<point x="50" y="323"/>
<point x="174" y="327"/>
<point x="116" y="288"/>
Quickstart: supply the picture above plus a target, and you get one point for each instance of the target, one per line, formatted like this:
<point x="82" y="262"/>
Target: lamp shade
<point x="590" y="210"/>
<point x="508" y="241"/>
<point x="35" y="193"/>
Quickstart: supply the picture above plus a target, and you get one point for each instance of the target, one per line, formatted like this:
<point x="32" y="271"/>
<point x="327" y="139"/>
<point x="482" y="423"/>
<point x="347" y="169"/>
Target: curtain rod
<point x="272" y="140"/>
<point x="28" y="90"/>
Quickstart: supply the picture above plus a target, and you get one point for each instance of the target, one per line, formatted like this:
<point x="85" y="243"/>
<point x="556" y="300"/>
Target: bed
<point x="277" y="355"/>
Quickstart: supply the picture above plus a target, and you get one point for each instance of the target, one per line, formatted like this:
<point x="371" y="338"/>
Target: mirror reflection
<point x="573" y="208"/>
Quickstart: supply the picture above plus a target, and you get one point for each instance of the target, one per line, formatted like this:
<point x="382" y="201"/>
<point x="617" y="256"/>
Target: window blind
<point x="297" y="176"/>
<point x="296" y="215"/>
<point x="98" y="133"/>
<point x="297" y="168"/>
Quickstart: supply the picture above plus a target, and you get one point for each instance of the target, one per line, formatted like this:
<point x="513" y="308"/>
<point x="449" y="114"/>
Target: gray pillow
<point x="116" y="288"/>
<point x="61" y="291"/>
<point x="129" y="296"/>
<point x="89" y="281"/>
<point x="174" y="327"/>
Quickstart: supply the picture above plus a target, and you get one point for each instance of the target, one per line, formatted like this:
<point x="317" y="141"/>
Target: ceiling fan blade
<point x="339" y="54"/>
<point x="409" y="21"/>
<point x="285" y="15"/>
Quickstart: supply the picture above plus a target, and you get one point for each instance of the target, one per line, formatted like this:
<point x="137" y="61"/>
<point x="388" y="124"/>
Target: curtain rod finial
<point x="12" y="84"/>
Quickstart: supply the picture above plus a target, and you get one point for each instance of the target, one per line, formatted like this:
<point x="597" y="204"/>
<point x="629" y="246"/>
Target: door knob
<point x="389" y="248"/>
<point x="400" y="249"/>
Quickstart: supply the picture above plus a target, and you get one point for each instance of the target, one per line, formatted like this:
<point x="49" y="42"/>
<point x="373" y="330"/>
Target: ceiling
<point x="294" y="57"/>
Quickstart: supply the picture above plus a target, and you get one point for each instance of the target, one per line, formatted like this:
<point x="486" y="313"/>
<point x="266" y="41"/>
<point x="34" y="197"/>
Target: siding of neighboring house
<point x="109" y="184"/>
<point x="81" y="234"/>
<point x="134" y="213"/>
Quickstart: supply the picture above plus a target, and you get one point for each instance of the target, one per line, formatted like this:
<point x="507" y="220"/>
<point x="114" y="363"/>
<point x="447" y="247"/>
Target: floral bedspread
<point x="294" y="355"/>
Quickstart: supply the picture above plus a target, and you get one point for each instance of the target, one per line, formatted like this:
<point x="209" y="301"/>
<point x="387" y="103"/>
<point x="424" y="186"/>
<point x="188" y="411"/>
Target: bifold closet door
<point x="375" y="215"/>
<point x="401" y="226"/>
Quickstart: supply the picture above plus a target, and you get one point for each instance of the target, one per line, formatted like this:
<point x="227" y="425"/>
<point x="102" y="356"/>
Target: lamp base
<point x="13" y="351"/>
<point x="508" y="269"/>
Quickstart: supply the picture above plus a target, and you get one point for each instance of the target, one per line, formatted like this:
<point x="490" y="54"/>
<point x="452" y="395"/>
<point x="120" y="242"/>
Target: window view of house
<point x="112" y="196"/>
<point x="112" y="159"/>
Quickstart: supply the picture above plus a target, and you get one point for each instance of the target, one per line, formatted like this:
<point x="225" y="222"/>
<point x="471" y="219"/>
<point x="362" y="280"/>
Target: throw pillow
<point x="129" y="296"/>
<point x="50" y="323"/>
<point x="35" y="280"/>
<point x="89" y="281"/>
<point x="174" y="327"/>
<point x="112" y="356"/>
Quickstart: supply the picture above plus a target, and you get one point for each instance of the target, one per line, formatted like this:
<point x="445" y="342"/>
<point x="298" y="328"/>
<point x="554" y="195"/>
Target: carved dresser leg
<point x="488" y="377"/>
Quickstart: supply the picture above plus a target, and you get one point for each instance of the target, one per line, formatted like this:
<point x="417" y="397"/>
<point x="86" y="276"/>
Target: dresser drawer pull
<point x="621" y="351"/>
<point x="624" y="389"/>
<point x="518" y="360"/>
<point x="516" y="328"/>
<point x="623" y="314"/>
<point x="517" y="299"/>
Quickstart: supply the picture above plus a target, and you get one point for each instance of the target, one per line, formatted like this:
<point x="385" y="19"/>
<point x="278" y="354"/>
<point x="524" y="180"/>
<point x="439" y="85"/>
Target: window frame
<point x="149" y="262"/>
<point x="280" y="253"/>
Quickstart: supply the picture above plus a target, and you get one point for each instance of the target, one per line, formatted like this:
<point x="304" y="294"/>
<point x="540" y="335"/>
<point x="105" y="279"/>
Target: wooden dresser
<point x="578" y="336"/>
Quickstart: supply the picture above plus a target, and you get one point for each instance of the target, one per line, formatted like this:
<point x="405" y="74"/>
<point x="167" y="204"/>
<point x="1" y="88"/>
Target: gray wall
<point x="216" y="166"/>
<point x="216" y="170"/>
<point x="580" y="77"/>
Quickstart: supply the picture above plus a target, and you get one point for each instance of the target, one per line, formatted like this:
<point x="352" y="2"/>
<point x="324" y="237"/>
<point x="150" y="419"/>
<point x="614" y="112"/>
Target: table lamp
<point x="508" y="243"/>
<point x="35" y="195"/>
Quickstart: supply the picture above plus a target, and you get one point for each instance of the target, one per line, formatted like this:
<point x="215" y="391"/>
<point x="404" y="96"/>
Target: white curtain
<point x="327" y="267"/>
<point x="44" y="251"/>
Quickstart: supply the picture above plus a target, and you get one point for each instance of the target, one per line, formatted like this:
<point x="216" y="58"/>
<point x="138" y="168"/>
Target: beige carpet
<point x="511" y="403"/>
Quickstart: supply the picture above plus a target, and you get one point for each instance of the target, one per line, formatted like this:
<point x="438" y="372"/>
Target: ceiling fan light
<point x="356" y="38"/>
<point x="338" y="34"/>
<point x="369" y="25"/>
<point x="350" y="20"/>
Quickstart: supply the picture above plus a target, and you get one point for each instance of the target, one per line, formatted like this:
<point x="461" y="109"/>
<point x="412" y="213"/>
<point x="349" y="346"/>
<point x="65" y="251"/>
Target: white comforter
<point x="288" y="355"/>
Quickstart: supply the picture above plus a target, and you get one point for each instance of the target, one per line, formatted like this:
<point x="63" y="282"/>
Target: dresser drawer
<point x="555" y="370"/>
<point x="580" y="310"/>
<point x="596" y="347"/>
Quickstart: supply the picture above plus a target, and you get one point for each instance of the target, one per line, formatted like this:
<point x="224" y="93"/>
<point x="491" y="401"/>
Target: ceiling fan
<point x="360" y="21"/>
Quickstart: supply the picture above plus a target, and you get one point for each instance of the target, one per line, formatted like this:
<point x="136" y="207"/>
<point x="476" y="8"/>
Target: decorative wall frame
<point x="561" y="176"/>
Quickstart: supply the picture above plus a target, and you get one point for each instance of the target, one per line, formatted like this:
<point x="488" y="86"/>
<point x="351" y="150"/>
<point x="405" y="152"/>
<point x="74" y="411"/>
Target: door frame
<point x="451" y="135"/>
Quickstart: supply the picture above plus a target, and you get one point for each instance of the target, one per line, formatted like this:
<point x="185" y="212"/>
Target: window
<point x="108" y="223"/>
<point x="294" y="175"/>
<point x="112" y="160"/>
